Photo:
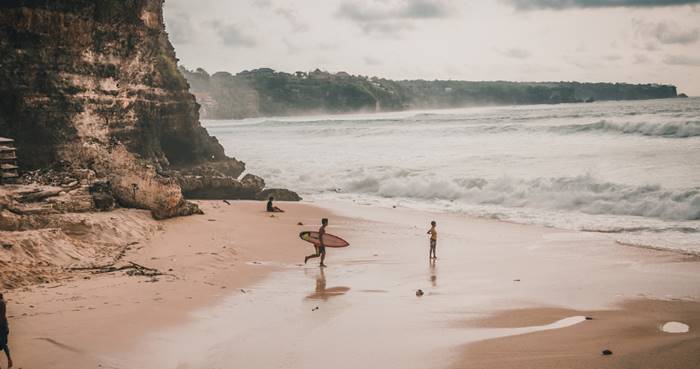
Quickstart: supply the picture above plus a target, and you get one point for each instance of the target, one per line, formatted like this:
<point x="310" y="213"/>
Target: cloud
<point x="291" y="16"/>
<point x="372" y="62"/>
<point x="391" y="17"/>
<point x="516" y="53"/>
<point x="262" y="3"/>
<point x="568" y="4"/>
<point x="231" y="35"/>
<point x="668" y="33"/>
<point x="179" y="28"/>
<point x="641" y="59"/>
<point x="684" y="60"/>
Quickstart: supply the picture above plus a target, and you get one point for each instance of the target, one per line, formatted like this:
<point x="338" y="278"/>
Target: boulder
<point x="103" y="201"/>
<point x="280" y="194"/>
<point x="220" y="187"/>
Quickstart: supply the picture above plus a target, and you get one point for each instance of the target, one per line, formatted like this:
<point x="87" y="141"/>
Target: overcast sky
<point x="521" y="40"/>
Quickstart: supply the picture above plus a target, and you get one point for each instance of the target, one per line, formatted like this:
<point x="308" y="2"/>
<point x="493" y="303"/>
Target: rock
<point x="300" y="224"/>
<point x="253" y="182"/>
<point x="103" y="201"/>
<point x="589" y="318"/>
<point x="419" y="293"/>
<point x="280" y="194"/>
<point x="228" y="167"/>
<point x="607" y="352"/>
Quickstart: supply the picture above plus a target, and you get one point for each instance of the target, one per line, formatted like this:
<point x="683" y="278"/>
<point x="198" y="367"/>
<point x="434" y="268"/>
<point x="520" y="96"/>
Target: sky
<point x="635" y="41"/>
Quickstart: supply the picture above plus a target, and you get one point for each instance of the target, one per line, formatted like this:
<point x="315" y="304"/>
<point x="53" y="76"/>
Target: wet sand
<point x="240" y="297"/>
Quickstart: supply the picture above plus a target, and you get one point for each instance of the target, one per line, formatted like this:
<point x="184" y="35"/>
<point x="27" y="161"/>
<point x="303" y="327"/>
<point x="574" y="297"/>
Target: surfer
<point x="4" y="331"/>
<point x="433" y="240"/>
<point x="321" y="248"/>
<point x="271" y="208"/>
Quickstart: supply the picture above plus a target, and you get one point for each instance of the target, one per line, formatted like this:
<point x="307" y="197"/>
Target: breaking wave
<point x="582" y="194"/>
<point x="671" y="129"/>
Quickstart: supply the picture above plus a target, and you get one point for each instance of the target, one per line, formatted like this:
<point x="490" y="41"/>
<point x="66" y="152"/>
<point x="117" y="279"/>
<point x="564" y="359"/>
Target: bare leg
<point x="317" y="254"/>
<point x="323" y="258"/>
<point x="9" y="358"/>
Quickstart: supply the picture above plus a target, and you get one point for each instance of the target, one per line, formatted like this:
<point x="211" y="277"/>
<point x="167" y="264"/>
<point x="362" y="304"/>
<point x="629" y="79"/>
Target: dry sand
<point x="239" y="296"/>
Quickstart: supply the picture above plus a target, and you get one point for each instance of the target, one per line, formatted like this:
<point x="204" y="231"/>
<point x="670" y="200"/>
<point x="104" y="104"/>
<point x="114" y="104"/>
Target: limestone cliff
<point x="94" y="84"/>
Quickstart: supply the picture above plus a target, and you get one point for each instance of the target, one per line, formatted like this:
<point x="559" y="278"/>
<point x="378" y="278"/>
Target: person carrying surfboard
<point x="433" y="240"/>
<point x="321" y="247"/>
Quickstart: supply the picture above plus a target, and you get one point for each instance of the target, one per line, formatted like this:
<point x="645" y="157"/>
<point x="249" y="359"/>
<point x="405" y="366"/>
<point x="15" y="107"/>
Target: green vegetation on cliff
<point x="265" y="92"/>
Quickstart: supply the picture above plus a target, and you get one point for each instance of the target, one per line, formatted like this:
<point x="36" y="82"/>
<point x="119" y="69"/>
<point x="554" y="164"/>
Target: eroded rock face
<point x="93" y="85"/>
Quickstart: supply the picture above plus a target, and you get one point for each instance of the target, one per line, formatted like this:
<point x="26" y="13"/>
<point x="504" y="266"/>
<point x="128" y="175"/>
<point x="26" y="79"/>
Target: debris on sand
<point x="300" y="224"/>
<point x="607" y="352"/>
<point x="226" y="202"/>
<point x="132" y="269"/>
<point x="419" y="293"/>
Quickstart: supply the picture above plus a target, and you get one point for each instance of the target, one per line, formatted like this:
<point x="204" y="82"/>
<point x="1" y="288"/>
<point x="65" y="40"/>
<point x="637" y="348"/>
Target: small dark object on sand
<point x="227" y="203"/>
<point x="212" y="220"/>
<point x="589" y="318"/>
<point x="516" y="280"/>
<point x="300" y="223"/>
<point x="419" y="293"/>
<point x="314" y="309"/>
<point x="607" y="352"/>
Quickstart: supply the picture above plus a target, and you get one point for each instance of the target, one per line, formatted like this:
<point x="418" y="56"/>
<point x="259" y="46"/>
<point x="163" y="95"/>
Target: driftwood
<point x="40" y="195"/>
<point x="132" y="269"/>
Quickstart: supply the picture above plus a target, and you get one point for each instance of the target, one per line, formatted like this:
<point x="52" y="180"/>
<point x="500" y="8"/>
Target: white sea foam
<point x="628" y="168"/>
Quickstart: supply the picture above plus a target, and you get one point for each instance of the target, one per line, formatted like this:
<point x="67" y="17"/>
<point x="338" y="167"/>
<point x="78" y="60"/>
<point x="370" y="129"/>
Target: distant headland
<point x="266" y="92"/>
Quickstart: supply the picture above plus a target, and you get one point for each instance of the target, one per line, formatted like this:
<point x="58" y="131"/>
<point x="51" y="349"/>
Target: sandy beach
<point x="236" y="294"/>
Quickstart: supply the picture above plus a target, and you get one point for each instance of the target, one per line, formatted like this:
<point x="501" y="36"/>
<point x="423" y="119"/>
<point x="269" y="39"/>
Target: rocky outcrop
<point x="93" y="86"/>
<point x="280" y="194"/>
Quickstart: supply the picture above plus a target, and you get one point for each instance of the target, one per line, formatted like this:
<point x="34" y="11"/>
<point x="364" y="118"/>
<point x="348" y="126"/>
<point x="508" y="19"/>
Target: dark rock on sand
<point x="607" y="352"/>
<point x="280" y="194"/>
<point x="220" y="187"/>
<point x="103" y="201"/>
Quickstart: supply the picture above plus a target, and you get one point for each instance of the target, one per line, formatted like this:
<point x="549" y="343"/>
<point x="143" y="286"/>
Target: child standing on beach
<point x="320" y="249"/>
<point x="4" y="331"/>
<point x="433" y="240"/>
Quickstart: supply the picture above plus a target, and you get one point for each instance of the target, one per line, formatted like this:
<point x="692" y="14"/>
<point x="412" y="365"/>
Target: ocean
<point x="628" y="168"/>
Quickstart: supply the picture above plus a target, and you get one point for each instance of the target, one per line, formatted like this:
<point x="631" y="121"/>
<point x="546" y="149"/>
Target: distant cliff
<point x="265" y="92"/>
<point x="94" y="85"/>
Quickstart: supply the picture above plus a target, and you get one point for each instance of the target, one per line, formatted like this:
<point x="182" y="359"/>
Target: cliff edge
<point x="92" y="86"/>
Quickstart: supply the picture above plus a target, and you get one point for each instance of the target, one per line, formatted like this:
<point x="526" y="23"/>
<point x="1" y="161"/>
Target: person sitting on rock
<point x="271" y="208"/>
<point x="4" y="331"/>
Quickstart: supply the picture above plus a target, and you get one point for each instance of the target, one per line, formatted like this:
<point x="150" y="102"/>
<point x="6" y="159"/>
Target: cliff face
<point x="94" y="84"/>
<point x="95" y="72"/>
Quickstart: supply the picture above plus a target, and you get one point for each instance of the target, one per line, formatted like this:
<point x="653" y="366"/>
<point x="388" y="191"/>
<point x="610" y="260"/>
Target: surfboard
<point x="329" y="240"/>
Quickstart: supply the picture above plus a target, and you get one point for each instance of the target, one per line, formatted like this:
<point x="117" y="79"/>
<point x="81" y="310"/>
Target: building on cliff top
<point x="8" y="161"/>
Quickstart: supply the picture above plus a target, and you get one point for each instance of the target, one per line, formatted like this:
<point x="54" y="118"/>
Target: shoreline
<point x="243" y="269"/>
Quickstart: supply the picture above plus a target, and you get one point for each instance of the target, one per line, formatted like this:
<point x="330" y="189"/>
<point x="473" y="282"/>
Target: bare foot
<point x="322" y="265"/>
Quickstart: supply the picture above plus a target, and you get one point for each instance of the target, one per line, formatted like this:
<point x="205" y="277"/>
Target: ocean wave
<point x="582" y="194"/>
<point x="669" y="129"/>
